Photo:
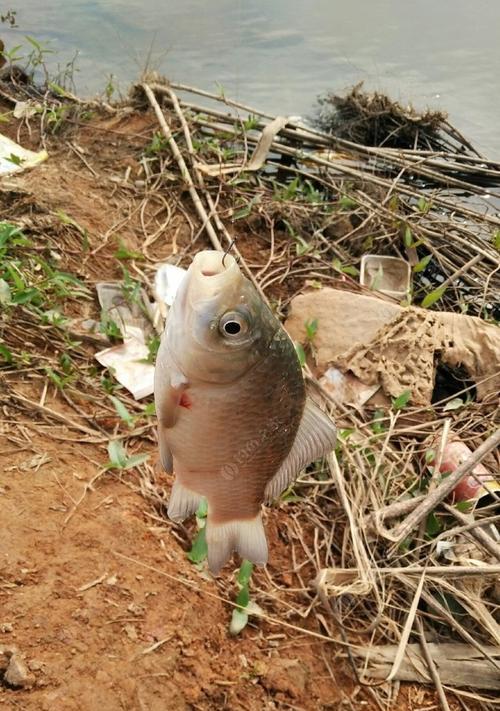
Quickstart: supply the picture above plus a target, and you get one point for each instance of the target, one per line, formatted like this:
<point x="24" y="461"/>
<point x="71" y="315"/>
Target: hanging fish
<point x="234" y="422"/>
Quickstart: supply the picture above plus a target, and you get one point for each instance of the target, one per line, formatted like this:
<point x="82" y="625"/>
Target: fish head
<point x="218" y="327"/>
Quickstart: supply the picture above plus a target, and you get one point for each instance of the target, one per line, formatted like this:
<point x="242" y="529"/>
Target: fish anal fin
<point x="315" y="437"/>
<point x="183" y="502"/>
<point x="247" y="537"/>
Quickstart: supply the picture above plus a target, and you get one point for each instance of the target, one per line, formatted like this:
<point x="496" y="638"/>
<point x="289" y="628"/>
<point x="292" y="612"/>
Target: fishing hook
<point x="231" y="243"/>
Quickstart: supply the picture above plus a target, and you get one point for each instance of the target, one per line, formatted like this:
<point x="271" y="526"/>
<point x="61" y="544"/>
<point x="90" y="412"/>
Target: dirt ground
<point x="96" y="591"/>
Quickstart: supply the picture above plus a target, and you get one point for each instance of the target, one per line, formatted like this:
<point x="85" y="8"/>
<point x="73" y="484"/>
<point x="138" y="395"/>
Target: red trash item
<point x="474" y="485"/>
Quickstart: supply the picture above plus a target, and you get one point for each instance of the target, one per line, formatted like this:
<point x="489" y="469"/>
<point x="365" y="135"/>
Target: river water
<point x="278" y="55"/>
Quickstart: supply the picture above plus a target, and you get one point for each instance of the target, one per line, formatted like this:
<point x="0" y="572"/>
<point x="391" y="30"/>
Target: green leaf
<point x="5" y="353"/>
<point x="433" y="525"/>
<point x="424" y="205"/>
<point x="150" y="409"/>
<point x="244" y="212"/>
<point x="432" y="297"/>
<point x="311" y="328"/>
<point x="347" y="203"/>
<point x="377" y="424"/>
<point x="301" y="354"/>
<point x="202" y="509"/>
<point x="27" y="296"/>
<point x="464" y="506"/>
<point x="430" y="456"/>
<point x="117" y="454"/>
<point x="239" y="621"/>
<point x="135" y="460"/>
<point x="245" y="572"/>
<point x="421" y="265"/>
<point x="402" y="400"/>
<point x="407" y="237"/>
<point x="123" y="252"/>
<point x="122" y="411"/>
<point x="454" y="404"/>
<point x="243" y="597"/>
<point x="351" y="270"/>
<point x="496" y="240"/>
<point x="153" y="345"/>
<point x="55" y="378"/>
<point x="13" y="158"/>
<point x="199" y="549"/>
<point x="57" y="89"/>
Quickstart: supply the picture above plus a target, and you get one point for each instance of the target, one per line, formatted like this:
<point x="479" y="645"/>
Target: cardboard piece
<point x="397" y="348"/>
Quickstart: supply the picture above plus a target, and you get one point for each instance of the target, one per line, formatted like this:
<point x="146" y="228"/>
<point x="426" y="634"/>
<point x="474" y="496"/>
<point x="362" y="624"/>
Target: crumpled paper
<point x="137" y="323"/>
<point x="14" y="158"/>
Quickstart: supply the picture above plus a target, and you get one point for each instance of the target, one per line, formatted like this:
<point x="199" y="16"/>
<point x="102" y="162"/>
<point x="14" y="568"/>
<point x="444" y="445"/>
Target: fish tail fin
<point x="247" y="537"/>
<point x="183" y="502"/>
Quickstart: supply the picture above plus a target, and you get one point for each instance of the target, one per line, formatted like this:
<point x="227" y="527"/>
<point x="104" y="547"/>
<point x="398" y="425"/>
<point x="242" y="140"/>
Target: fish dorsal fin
<point x="315" y="437"/>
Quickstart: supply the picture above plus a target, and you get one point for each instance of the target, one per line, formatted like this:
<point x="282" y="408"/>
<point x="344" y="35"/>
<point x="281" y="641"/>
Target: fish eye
<point x="232" y="324"/>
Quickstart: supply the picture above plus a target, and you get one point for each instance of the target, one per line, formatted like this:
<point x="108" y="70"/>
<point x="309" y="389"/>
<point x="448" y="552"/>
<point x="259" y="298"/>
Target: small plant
<point x="401" y="401"/>
<point x="157" y="145"/>
<point x="119" y="459"/>
<point x="422" y="264"/>
<point x="239" y="618"/>
<point x="109" y="328"/>
<point x="251" y="123"/>
<point x="123" y="252"/>
<point x="311" y="329"/>
<point x="377" y="424"/>
<point x="131" y="289"/>
<point x="301" y="354"/>
<point x="246" y="210"/>
<point x="122" y="412"/>
<point x="110" y="88"/>
<point x="153" y="344"/>
<point x="432" y="297"/>
<point x="347" y="203"/>
<point x="199" y="550"/>
<point x="345" y="269"/>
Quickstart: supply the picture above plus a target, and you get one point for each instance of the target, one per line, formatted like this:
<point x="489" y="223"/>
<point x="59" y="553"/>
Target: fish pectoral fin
<point x="168" y="403"/>
<point x="315" y="437"/>
<point x="183" y="502"/>
<point x="247" y="537"/>
<point x="168" y="410"/>
<point x="166" y="457"/>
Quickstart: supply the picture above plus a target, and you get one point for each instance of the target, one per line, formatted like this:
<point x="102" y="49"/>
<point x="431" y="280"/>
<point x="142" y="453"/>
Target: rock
<point x="36" y="665"/>
<point x="17" y="674"/>
<point x="6" y="627"/>
<point x="6" y="653"/>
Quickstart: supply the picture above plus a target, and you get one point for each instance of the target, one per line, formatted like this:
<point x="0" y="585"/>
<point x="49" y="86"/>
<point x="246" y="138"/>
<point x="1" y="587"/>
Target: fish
<point x="235" y="424"/>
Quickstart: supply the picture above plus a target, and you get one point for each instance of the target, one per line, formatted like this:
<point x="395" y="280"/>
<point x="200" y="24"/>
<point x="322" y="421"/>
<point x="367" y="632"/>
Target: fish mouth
<point x="213" y="274"/>
<point x="211" y="263"/>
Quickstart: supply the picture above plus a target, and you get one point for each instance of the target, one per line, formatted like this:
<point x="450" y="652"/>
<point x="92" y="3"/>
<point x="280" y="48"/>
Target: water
<point x="278" y="55"/>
